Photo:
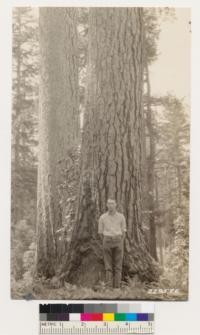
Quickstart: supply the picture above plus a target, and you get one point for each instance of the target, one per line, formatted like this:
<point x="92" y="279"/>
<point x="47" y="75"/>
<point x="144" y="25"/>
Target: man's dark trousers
<point x="113" y="251"/>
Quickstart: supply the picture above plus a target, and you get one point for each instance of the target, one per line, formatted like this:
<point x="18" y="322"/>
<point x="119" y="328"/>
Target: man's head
<point x="111" y="204"/>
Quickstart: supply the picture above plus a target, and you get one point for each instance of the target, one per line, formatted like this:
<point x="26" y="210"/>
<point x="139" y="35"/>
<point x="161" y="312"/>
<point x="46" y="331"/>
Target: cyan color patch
<point x="131" y="316"/>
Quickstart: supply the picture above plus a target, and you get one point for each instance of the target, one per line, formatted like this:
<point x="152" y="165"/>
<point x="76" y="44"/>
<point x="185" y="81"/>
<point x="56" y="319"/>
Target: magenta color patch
<point x="86" y="317"/>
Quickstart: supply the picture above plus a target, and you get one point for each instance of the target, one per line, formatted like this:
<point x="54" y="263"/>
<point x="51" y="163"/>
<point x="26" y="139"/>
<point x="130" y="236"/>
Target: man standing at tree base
<point x="112" y="229"/>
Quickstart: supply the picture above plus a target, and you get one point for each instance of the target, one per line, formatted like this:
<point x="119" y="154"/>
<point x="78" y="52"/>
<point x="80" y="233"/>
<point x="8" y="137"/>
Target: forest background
<point x="165" y="205"/>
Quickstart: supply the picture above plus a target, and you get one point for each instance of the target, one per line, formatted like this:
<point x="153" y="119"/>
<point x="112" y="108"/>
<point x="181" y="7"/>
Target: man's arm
<point x="100" y="227"/>
<point x="124" y="230"/>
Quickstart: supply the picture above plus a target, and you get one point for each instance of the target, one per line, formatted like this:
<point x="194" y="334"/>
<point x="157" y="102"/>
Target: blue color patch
<point x="142" y="317"/>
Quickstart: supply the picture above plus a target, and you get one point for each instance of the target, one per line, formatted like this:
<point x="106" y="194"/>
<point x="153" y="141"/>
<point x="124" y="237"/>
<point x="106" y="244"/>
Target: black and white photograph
<point x="100" y="153"/>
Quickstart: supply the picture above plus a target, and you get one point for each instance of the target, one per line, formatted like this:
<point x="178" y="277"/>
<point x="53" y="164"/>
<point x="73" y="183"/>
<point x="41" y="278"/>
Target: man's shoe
<point x="109" y="278"/>
<point x="117" y="280"/>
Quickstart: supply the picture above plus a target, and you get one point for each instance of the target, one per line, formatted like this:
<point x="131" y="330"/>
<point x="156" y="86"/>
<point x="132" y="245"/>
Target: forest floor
<point x="133" y="290"/>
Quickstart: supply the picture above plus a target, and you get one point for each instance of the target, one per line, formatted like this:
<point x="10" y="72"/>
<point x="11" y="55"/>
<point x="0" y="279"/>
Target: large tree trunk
<point x="112" y="145"/>
<point x="58" y="123"/>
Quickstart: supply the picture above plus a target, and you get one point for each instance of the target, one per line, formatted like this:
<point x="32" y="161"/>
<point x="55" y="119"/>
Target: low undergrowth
<point x="134" y="289"/>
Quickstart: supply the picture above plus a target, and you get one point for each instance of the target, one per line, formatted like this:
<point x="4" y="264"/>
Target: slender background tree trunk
<point x="16" y="122"/>
<point x="151" y="169"/>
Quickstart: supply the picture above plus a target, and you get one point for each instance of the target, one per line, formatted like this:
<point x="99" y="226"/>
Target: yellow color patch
<point x="108" y="316"/>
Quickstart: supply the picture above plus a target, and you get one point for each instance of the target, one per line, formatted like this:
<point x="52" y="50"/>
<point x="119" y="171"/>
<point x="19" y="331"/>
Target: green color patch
<point x="120" y="317"/>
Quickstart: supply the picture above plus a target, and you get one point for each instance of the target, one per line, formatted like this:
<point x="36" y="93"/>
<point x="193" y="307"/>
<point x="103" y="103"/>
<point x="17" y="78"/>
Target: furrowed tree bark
<point x="111" y="145"/>
<point x="58" y="124"/>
